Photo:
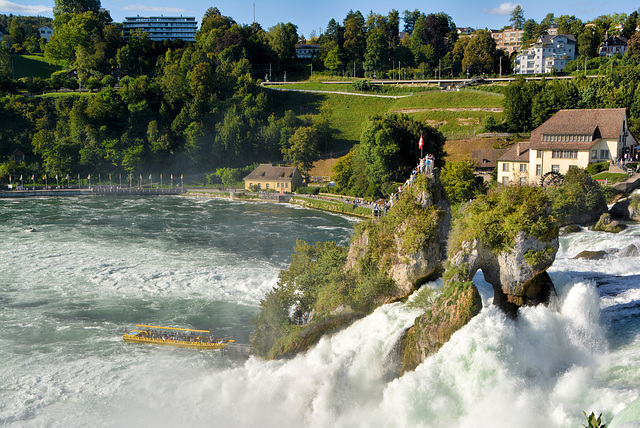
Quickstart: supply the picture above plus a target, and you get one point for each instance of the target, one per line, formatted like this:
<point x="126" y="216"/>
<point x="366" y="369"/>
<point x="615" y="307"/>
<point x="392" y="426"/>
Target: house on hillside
<point x="18" y="155"/>
<point x="513" y="165"/>
<point x="278" y="178"/>
<point x="45" y="32"/>
<point x="484" y="161"/>
<point x="549" y="53"/>
<point x="307" y="51"/>
<point x="613" y="45"/>
<point x="570" y="138"/>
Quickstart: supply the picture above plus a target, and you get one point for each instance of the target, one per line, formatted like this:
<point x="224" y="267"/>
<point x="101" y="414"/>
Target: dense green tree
<point x="16" y="32"/>
<point x="460" y="182"/>
<point x="630" y="25"/>
<point x="569" y="25"/>
<point x="410" y="18"/>
<point x="354" y="36"/>
<point x="530" y="31"/>
<point x="377" y="52"/>
<point x="72" y="32"/>
<point x="480" y="54"/>
<point x="588" y="42"/>
<point x="283" y="38"/>
<point x="437" y="30"/>
<point x="303" y="148"/>
<point x="75" y="7"/>
<point x="389" y="149"/>
<point x="517" y="17"/>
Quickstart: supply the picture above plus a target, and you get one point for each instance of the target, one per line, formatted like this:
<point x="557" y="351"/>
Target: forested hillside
<point x="148" y="107"/>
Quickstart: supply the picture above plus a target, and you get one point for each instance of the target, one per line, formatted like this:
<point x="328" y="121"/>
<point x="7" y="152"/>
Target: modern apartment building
<point x="160" y="28"/>
<point x="549" y="53"/>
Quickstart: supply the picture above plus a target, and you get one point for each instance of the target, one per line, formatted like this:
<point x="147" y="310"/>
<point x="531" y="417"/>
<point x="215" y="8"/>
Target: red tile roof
<point x="596" y="123"/>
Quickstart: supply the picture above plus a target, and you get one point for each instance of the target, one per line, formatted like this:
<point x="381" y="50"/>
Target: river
<point x="97" y="265"/>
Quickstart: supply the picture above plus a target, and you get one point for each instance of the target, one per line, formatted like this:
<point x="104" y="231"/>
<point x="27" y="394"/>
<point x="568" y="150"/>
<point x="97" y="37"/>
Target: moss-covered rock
<point x="606" y="224"/>
<point x="451" y="311"/>
<point x="409" y="244"/>
<point x="572" y="228"/>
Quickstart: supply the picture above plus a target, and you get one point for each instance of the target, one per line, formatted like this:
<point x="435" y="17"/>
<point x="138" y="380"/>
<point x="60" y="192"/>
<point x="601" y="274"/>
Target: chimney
<point x="517" y="149"/>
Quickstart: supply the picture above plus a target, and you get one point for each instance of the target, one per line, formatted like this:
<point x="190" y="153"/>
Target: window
<point x="523" y="167"/>
<point x="505" y="166"/>
<point x="523" y="181"/>
<point x="594" y="154"/>
<point x="604" y="154"/>
<point x="538" y="169"/>
<point x="505" y="181"/>
<point x="555" y="168"/>
<point x="267" y="186"/>
<point x="539" y="154"/>
<point x="564" y="154"/>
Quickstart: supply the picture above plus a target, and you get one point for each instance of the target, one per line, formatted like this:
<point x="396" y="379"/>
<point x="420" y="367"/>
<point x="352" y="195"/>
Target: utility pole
<point x="500" y="66"/>
<point x="254" y="12"/>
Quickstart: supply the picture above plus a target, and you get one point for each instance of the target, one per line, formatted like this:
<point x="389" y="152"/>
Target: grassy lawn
<point x="33" y="65"/>
<point x="611" y="177"/>
<point x="67" y="94"/>
<point x="455" y="114"/>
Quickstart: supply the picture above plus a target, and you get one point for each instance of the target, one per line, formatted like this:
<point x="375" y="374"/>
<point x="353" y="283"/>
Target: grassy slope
<point x="350" y="112"/>
<point x="33" y="66"/>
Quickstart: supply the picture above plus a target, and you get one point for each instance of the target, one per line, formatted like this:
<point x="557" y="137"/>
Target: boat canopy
<point x="172" y="328"/>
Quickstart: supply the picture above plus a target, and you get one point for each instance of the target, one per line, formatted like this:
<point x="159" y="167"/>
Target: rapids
<point x="98" y="265"/>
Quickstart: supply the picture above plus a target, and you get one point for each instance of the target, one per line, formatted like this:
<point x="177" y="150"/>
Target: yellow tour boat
<point x="181" y="337"/>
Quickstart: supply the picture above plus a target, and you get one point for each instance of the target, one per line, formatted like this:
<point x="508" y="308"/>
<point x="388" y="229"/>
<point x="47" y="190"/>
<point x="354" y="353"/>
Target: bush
<point x="579" y="200"/>
<point x="362" y="85"/>
<point x="595" y="168"/>
<point x="307" y="190"/>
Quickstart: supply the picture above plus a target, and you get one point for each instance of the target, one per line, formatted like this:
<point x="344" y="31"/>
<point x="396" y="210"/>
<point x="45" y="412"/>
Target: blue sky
<point x="314" y="15"/>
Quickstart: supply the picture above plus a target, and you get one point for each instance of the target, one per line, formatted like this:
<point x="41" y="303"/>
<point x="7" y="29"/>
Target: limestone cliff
<point x="451" y="311"/>
<point x="409" y="244"/>
<point x="517" y="274"/>
<point x="627" y="208"/>
<point x="510" y="236"/>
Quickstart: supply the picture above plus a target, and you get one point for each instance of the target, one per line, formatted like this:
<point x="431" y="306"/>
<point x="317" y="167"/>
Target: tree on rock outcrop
<point x="510" y="236"/>
<point x="387" y="260"/>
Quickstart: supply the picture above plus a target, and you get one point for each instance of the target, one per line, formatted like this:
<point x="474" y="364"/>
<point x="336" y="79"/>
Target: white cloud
<point x="145" y="8"/>
<point x="503" y="9"/>
<point x="8" y="6"/>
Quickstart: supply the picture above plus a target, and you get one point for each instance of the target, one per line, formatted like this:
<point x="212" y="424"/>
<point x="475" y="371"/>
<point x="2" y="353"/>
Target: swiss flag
<point x="421" y="142"/>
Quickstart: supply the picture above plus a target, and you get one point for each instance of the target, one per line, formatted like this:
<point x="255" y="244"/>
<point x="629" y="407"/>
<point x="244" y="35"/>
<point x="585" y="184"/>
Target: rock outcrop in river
<point x="510" y="237"/>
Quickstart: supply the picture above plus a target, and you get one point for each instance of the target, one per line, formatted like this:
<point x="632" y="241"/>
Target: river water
<point x="97" y="265"/>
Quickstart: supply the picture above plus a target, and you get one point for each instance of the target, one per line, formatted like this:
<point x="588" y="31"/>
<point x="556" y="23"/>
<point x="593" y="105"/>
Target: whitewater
<point x="98" y="265"/>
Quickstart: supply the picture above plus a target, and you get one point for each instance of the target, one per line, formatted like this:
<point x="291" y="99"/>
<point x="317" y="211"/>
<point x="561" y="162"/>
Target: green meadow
<point x="33" y="65"/>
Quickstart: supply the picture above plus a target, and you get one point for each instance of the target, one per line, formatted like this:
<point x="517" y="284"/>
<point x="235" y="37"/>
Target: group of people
<point x="425" y="166"/>
<point x="626" y="157"/>
<point x="299" y="317"/>
<point x="177" y="336"/>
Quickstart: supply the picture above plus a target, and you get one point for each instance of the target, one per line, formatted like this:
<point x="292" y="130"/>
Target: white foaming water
<point x="65" y="364"/>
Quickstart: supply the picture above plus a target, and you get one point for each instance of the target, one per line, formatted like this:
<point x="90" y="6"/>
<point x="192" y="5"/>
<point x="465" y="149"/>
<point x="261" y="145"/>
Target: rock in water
<point x="591" y="255"/>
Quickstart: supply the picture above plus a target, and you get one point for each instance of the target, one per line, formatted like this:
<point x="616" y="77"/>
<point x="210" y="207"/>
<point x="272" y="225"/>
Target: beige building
<point x="509" y="40"/>
<point x="513" y="165"/>
<point x="570" y="138"/>
<point x="277" y="178"/>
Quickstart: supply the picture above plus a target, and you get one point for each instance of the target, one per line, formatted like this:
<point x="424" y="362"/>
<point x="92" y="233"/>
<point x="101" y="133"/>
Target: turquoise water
<point x="98" y="265"/>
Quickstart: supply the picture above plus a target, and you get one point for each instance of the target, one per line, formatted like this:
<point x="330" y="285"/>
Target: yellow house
<point x="570" y="138"/>
<point x="577" y="138"/>
<point x="278" y="178"/>
<point x="513" y="165"/>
